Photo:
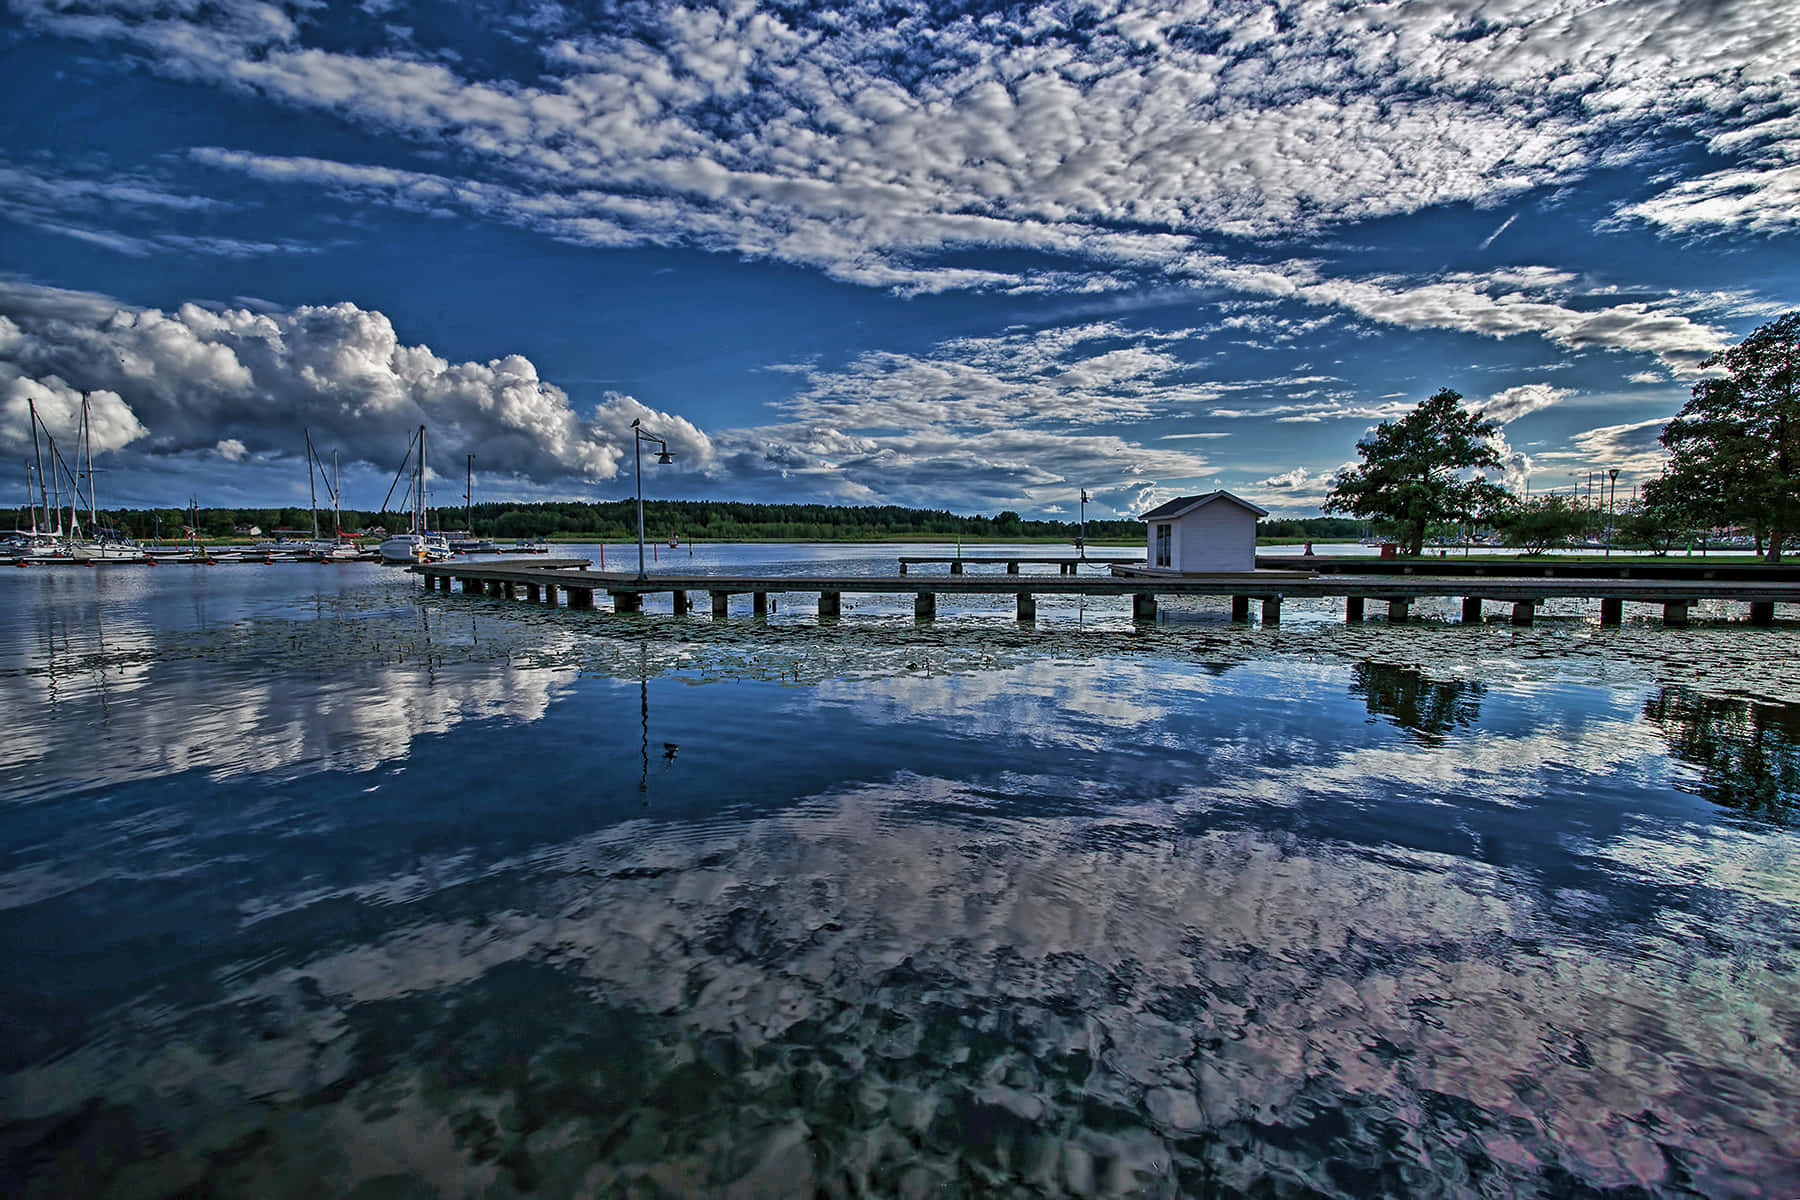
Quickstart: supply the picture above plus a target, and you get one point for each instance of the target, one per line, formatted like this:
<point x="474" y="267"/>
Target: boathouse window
<point x="1163" y="538"/>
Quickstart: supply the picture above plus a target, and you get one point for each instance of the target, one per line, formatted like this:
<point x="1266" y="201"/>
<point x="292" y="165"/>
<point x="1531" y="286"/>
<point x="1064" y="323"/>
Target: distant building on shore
<point x="1201" y="535"/>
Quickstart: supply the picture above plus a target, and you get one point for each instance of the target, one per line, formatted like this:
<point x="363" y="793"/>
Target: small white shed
<point x="1195" y="535"/>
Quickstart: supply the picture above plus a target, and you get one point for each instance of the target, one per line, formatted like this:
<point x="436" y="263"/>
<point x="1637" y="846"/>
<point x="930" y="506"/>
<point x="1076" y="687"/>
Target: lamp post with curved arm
<point x="664" y="457"/>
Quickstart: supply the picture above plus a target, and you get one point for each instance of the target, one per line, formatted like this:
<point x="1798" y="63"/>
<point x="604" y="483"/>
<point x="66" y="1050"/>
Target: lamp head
<point x="665" y="458"/>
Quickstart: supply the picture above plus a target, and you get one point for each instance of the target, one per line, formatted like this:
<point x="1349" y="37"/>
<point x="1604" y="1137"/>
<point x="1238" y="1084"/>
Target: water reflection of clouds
<point x="1229" y="984"/>
<point x="207" y="717"/>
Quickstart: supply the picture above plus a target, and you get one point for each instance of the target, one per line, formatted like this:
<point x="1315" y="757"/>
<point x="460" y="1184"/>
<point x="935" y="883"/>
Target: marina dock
<point x="577" y="587"/>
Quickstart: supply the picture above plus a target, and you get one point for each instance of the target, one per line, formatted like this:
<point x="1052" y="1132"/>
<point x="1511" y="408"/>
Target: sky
<point x="962" y="257"/>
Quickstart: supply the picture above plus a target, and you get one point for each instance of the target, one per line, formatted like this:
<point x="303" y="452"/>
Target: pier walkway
<point x="1068" y="563"/>
<point x="541" y="583"/>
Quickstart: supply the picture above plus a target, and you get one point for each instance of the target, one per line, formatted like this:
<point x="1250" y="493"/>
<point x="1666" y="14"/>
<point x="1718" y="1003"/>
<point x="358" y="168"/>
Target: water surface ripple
<point x="312" y="883"/>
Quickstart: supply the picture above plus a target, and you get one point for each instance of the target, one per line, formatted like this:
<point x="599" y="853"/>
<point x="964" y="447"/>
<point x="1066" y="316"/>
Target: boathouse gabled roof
<point x="1182" y="505"/>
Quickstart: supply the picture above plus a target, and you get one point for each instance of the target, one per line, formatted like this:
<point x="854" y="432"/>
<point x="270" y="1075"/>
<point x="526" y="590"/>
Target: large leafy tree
<point x="1734" y="448"/>
<point x="1416" y="471"/>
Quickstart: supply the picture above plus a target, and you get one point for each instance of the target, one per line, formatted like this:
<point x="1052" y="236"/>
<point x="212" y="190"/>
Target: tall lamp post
<point x="1610" y="495"/>
<point x="1081" y="537"/>
<point x="663" y="457"/>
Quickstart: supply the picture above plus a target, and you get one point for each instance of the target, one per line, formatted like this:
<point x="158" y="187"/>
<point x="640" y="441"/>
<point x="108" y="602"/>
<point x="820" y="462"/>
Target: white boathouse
<point x="1202" y="535"/>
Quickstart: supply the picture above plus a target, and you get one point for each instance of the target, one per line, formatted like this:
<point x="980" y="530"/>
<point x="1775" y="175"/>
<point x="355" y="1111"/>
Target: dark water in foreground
<point x="314" y="884"/>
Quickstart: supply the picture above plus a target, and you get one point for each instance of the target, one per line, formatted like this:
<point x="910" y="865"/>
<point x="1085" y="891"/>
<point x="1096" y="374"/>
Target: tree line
<point x="1733" y="463"/>
<point x="689" y="520"/>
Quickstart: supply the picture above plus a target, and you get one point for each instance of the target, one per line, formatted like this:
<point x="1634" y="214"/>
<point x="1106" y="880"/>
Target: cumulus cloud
<point x="243" y="382"/>
<point x="1286" y="480"/>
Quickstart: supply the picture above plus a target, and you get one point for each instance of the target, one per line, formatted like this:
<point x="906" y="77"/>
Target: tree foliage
<point x="1415" y="470"/>
<point x="1735" y="446"/>
<point x="1536" y="525"/>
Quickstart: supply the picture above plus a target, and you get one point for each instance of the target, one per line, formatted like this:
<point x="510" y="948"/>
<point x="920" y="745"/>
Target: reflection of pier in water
<point x="542" y="582"/>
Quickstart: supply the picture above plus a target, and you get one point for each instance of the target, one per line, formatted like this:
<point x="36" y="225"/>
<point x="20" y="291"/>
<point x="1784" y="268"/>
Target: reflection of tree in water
<point x="1748" y="752"/>
<point x="1416" y="702"/>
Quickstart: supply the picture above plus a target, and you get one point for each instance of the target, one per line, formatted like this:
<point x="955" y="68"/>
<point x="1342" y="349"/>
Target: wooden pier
<point x="1067" y="564"/>
<point x="541" y="583"/>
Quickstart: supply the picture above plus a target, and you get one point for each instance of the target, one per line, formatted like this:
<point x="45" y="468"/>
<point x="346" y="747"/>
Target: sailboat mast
<point x="337" y="513"/>
<point x="87" y="445"/>
<point x="469" y="498"/>
<point x="419" y="506"/>
<point x="38" y="452"/>
<point x="312" y="487"/>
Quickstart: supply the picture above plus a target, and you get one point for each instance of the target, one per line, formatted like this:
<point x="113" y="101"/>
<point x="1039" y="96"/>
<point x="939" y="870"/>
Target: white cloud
<point x="245" y="382"/>
<point x="232" y="450"/>
<point x="1286" y="480"/>
<point x="823" y="138"/>
<point x="1513" y="403"/>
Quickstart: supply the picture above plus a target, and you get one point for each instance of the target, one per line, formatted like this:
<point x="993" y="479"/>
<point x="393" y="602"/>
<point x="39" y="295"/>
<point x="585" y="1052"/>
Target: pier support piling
<point x="533" y="593"/>
<point x="1240" y="608"/>
<point x="1012" y="568"/>
<point x="759" y="603"/>
<point x="831" y="604"/>
<point x="1524" y="611"/>
<point x="1675" y="614"/>
<point x="1027" y="607"/>
<point x="721" y="604"/>
<point x="1471" y="610"/>
<point x="627" y="602"/>
<point x="925" y="605"/>
<point x="582" y="598"/>
<point x="1353" y="610"/>
<point x="550" y="594"/>
<point x="1612" y="611"/>
<point x="1762" y="612"/>
<point x="678" y="601"/>
<point x="495" y="587"/>
<point x="1143" y="606"/>
<point x="1397" y="611"/>
<point x="956" y="567"/>
<point x="1271" y="610"/>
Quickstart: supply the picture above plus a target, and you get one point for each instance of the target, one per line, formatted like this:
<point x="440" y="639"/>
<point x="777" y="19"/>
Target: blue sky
<point x="953" y="256"/>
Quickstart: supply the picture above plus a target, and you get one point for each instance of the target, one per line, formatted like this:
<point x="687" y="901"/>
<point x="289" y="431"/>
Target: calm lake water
<point x="314" y="883"/>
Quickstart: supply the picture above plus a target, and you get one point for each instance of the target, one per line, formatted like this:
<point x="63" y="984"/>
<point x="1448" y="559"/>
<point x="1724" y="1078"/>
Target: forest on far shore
<point x="688" y="520"/>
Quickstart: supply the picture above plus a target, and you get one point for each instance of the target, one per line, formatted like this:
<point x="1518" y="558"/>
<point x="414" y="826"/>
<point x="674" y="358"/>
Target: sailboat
<point x="101" y="543"/>
<point x="415" y="545"/>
